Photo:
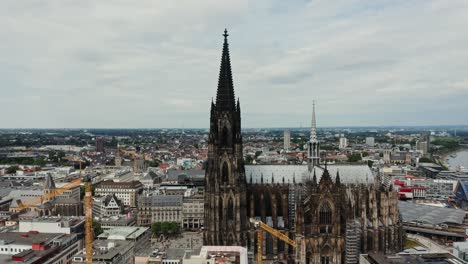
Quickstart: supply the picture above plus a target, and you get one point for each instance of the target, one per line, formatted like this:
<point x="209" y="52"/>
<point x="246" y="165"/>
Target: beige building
<point x="160" y="208"/>
<point x="193" y="212"/>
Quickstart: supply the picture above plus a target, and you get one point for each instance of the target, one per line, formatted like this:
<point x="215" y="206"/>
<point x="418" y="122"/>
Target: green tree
<point x="370" y="163"/>
<point x="12" y="169"/>
<point x="354" y="157"/>
<point x="165" y="228"/>
<point x="60" y="155"/>
<point x="248" y="159"/>
<point x="425" y="160"/>
<point x="156" y="228"/>
<point x="365" y="154"/>
<point x="82" y="192"/>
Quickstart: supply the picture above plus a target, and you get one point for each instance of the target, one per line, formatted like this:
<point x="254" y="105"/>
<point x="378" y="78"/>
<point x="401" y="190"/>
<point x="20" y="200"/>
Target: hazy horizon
<point x="461" y="126"/>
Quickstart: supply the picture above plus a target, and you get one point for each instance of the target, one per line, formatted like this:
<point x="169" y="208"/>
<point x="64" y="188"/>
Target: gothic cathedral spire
<point x="313" y="149"/>
<point x="225" y="99"/>
<point x="225" y="181"/>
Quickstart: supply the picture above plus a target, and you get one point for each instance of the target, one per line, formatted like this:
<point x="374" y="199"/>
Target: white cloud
<point x="155" y="63"/>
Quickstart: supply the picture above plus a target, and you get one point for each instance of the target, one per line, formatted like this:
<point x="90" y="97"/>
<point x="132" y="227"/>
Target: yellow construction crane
<point x="88" y="200"/>
<point x="87" y="205"/>
<point x="260" y="226"/>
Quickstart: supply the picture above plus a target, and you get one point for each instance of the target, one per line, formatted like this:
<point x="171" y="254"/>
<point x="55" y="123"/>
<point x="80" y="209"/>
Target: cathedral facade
<point x="333" y="212"/>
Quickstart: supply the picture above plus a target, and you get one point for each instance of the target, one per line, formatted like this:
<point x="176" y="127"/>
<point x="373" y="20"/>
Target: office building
<point x="370" y="141"/>
<point x="100" y="144"/>
<point x="343" y="143"/>
<point x="287" y="140"/>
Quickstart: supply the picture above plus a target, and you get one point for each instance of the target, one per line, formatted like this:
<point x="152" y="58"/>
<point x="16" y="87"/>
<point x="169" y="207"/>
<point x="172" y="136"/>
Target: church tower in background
<point x="313" y="148"/>
<point x="225" y="182"/>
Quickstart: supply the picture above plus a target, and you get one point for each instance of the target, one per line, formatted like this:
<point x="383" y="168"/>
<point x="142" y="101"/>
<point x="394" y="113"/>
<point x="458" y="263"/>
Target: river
<point x="461" y="158"/>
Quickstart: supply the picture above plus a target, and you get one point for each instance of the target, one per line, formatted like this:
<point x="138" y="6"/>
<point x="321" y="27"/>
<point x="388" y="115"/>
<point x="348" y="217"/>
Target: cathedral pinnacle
<point x="326" y="176"/>
<point x="225" y="99"/>
<point x="337" y="180"/>
<point x="314" y="178"/>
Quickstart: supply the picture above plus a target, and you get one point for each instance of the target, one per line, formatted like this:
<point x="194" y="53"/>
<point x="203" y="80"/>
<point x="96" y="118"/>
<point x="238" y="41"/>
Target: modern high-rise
<point x="287" y="140"/>
<point x="100" y="144"/>
<point x="370" y="141"/>
<point x="343" y="143"/>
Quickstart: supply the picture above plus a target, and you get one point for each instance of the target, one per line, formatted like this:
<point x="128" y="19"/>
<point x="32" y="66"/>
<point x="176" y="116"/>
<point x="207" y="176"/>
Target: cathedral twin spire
<point x="225" y="181"/>
<point x="313" y="129"/>
<point x="225" y="99"/>
<point x="313" y="149"/>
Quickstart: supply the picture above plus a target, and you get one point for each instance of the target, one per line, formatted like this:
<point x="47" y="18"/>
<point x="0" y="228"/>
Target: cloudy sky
<point x="155" y="63"/>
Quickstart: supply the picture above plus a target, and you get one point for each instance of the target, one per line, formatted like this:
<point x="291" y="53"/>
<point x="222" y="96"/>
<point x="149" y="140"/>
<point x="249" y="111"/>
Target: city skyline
<point x="107" y="65"/>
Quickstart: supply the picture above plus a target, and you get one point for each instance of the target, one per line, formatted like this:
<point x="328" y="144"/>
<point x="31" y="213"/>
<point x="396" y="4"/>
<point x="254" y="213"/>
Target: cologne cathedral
<point x="333" y="212"/>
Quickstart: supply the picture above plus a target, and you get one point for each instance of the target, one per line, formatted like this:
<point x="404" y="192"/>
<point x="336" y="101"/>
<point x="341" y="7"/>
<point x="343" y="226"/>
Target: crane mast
<point x="88" y="223"/>
<point x="262" y="226"/>
<point x="88" y="205"/>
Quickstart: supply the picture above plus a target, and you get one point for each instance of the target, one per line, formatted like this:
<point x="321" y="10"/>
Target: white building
<point x="127" y="192"/>
<point x="287" y="140"/>
<point x="160" y="208"/>
<point x="229" y="254"/>
<point x="343" y="143"/>
<point x="139" y="236"/>
<point x="167" y="208"/>
<point x="460" y="249"/>
<point x="193" y="212"/>
<point x="370" y="141"/>
<point x="33" y="247"/>
<point x="51" y="224"/>
<point x="108" y="252"/>
<point x="107" y="206"/>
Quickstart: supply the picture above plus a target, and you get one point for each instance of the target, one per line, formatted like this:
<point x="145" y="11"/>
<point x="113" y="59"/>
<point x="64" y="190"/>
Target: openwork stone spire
<point x="49" y="183"/>
<point x="313" y="129"/>
<point x="225" y="99"/>
<point x="313" y="149"/>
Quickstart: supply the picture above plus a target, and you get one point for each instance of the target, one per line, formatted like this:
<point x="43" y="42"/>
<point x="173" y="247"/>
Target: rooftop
<point x="167" y="200"/>
<point x="112" y="184"/>
<point x="432" y="258"/>
<point x="413" y="212"/>
<point x="22" y="238"/>
<point x="298" y="173"/>
<point x="65" y="220"/>
<point x="123" y="233"/>
<point x="106" y="250"/>
<point x="174" y="174"/>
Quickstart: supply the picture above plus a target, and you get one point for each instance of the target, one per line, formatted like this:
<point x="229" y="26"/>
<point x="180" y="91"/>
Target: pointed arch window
<point x="225" y="172"/>
<point x="309" y="257"/>
<point x="225" y="139"/>
<point x="325" y="214"/>
<point x="325" y="257"/>
<point x="230" y="209"/>
<point x="220" y="209"/>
